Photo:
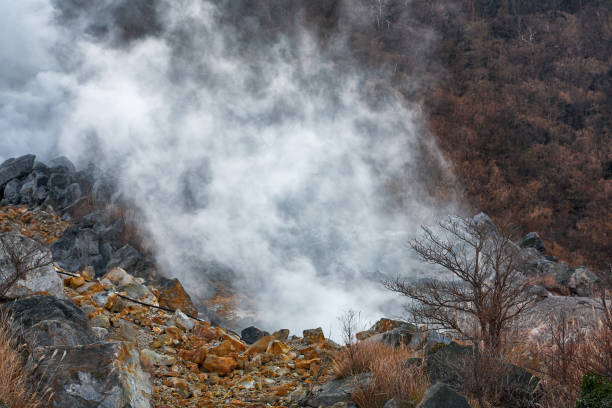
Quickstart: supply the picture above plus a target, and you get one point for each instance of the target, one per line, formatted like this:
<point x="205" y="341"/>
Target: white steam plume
<point x="277" y="163"/>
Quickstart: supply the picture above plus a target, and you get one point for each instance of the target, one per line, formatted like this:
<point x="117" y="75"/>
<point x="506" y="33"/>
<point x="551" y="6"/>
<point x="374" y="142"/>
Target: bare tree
<point x="486" y="290"/>
<point x="19" y="256"/>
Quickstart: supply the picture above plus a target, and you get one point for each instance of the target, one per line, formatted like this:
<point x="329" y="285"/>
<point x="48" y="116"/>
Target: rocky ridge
<point x="115" y="334"/>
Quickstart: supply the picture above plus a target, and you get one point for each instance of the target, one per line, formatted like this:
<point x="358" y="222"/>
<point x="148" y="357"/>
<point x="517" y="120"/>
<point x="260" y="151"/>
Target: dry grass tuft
<point x="14" y="389"/>
<point x="571" y="352"/>
<point x="394" y="374"/>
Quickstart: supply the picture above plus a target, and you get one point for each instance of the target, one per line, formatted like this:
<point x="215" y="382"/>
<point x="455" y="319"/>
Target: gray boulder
<point x="583" y="282"/>
<point x="20" y="255"/>
<point x="48" y="321"/>
<point x="400" y="336"/>
<point x="483" y="220"/>
<point x="444" y="362"/>
<point x="78" y="248"/>
<point x="441" y="395"/>
<point x="105" y="375"/>
<point x="62" y="161"/>
<point x="11" y="192"/>
<point x="518" y="387"/>
<point x="14" y="168"/>
<point x="251" y="334"/>
<point x="532" y="240"/>
<point x="126" y="257"/>
<point x="338" y="391"/>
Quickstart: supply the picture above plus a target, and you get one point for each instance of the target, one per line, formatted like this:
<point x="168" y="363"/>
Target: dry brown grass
<point x="572" y="351"/>
<point x="393" y="375"/>
<point x="14" y="389"/>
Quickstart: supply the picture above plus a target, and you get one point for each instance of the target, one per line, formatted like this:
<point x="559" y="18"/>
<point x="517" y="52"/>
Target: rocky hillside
<point x="99" y="327"/>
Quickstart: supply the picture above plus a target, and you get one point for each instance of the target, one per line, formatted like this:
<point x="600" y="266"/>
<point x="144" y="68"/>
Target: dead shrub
<point x="15" y="390"/>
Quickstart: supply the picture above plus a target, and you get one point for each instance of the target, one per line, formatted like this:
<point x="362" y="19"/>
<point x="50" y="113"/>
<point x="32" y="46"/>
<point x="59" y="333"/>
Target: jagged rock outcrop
<point x="172" y="295"/>
<point x="65" y="355"/>
<point x="49" y="321"/>
<point x="556" y="277"/>
<point x="26" y="266"/>
<point x="93" y="239"/>
<point x="105" y="374"/>
<point x="251" y="334"/>
<point x="14" y="168"/>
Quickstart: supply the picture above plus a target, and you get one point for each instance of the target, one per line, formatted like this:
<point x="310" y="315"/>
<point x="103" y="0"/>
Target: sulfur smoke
<point x="259" y="155"/>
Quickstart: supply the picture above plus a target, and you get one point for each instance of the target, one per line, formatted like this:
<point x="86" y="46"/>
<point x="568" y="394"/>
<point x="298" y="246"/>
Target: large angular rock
<point x="518" y="387"/>
<point x="62" y="161"/>
<point x="106" y="375"/>
<point x="22" y="257"/>
<point x="381" y="326"/>
<point x="444" y="362"/>
<point x="173" y="296"/>
<point x="583" y="282"/>
<point x="49" y="321"/>
<point x="251" y="334"/>
<point x="397" y="337"/>
<point x="441" y="395"/>
<point x="338" y="391"/>
<point x="126" y="257"/>
<point x="78" y="248"/>
<point x="532" y="240"/>
<point x="14" y="168"/>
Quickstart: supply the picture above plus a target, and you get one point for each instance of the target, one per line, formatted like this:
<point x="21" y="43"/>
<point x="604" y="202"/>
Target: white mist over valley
<point x="271" y="163"/>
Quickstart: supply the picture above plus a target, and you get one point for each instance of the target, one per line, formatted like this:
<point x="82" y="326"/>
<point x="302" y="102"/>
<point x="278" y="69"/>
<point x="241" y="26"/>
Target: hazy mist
<point x="260" y="156"/>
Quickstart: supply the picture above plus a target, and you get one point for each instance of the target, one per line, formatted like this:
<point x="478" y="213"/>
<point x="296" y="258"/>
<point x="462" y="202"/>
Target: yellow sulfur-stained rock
<point x="204" y="332"/>
<point x="197" y="356"/>
<point x="305" y="364"/>
<point x="237" y="344"/>
<point x="76" y="282"/>
<point x="260" y="345"/>
<point x="277" y="348"/>
<point x="219" y="365"/>
<point x="224" y="348"/>
<point x="314" y="336"/>
<point x="174" y="332"/>
<point x="88" y="273"/>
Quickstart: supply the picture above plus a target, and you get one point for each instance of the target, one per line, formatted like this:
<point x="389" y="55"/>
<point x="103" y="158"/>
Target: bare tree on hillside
<point x="486" y="291"/>
<point x="18" y="257"/>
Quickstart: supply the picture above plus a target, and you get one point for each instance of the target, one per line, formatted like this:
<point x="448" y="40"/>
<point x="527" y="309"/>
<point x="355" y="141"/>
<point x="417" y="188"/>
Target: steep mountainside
<point x="516" y="92"/>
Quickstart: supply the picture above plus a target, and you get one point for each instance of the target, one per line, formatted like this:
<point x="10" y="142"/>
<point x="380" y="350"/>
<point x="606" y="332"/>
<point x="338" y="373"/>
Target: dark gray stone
<point x="78" y="248"/>
<point x="519" y="388"/>
<point x="532" y="240"/>
<point x="441" y="395"/>
<point x="15" y="168"/>
<point x="400" y="336"/>
<point x="58" y="181"/>
<point x="11" y="192"/>
<point x="62" y="161"/>
<point x="583" y="282"/>
<point x="48" y="321"/>
<point x="444" y="361"/>
<point x="126" y="257"/>
<point x="32" y="261"/>
<point x="107" y="374"/>
<point x="338" y="391"/>
<point x="251" y="334"/>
